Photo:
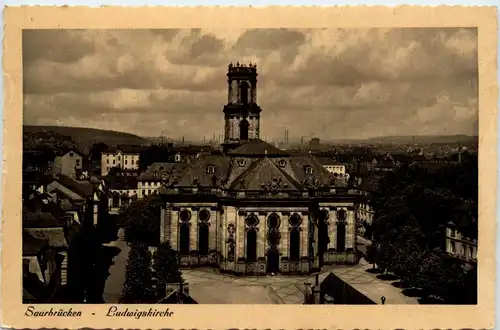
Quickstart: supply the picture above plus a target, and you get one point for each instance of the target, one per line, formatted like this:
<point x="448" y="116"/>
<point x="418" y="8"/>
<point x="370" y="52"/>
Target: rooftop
<point x="257" y="147"/>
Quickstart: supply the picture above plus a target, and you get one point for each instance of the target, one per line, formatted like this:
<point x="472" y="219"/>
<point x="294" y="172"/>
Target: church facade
<point x="255" y="209"/>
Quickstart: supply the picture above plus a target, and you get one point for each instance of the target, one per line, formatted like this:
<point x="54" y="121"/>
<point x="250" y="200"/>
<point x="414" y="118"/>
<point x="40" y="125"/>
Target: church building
<point x="255" y="209"/>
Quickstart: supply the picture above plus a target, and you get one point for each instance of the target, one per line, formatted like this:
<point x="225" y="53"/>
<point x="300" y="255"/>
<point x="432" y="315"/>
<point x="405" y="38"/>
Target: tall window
<point x="184" y="216"/>
<point x="341" y="237"/>
<point x="244" y="93"/>
<point x="244" y="129"/>
<point x="295" y="222"/>
<point x="251" y="243"/>
<point x="203" y="231"/>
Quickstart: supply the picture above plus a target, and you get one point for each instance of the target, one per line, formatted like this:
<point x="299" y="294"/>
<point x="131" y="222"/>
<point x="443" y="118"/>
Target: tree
<point x="138" y="287"/>
<point x="371" y="254"/>
<point x="155" y="153"/>
<point x="166" y="266"/>
<point x="413" y="206"/>
<point x="142" y="220"/>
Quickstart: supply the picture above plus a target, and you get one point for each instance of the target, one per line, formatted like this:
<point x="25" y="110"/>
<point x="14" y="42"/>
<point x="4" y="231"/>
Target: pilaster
<point x="174" y="223"/>
<point x="212" y="229"/>
<point x="304" y="234"/>
<point x="240" y="234"/>
<point x="193" y="230"/>
<point x="261" y="241"/>
<point x="285" y="234"/>
<point x="162" y="225"/>
<point x="223" y="233"/>
<point x="350" y="229"/>
<point x="332" y="228"/>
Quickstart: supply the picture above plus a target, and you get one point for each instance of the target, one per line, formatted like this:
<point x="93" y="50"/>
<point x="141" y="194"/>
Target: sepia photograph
<point x="262" y="166"/>
<point x="239" y="165"/>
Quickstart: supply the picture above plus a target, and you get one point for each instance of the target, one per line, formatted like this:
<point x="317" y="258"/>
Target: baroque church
<point x="255" y="209"/>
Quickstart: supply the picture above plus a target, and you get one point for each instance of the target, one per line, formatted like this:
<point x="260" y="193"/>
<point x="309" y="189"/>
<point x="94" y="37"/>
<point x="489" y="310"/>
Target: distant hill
<point x="84" y="137"/>
<point x="427" y="139"/>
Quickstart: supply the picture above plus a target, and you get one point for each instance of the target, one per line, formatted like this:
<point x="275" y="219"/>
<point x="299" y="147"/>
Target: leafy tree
<point x="166" y="266"/>
<point x="372" y="254"/>
<point x="413" y="206"/>
<point x="142" y="220"/>
<point x="155" y="153"/>
<point x="138" y="287"/>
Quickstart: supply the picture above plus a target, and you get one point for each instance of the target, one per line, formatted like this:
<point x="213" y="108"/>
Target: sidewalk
<point x="372" y="287"/>
<point x="114" y="282"/>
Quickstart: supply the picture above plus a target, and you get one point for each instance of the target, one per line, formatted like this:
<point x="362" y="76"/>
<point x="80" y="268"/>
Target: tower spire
<point x="241" y="113"/>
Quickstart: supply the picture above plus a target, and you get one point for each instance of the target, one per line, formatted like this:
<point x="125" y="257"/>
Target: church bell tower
<point x="241" y="113"/>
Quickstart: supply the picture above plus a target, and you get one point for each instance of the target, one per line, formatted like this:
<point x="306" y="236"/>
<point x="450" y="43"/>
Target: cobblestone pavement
<point x="208" y="286"/>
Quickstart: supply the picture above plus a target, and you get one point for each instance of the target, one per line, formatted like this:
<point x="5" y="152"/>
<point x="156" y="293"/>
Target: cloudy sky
<point x="329" y="83"/>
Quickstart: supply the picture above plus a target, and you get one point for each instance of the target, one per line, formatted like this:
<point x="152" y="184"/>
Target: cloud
<point x="330" y="83"/>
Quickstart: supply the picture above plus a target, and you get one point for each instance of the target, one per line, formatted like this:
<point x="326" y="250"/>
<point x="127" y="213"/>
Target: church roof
<point x="257" y="147"/>
<point x="298" y="164"/>
<point x="263" y="173"/>
<point x="156" y="171"/>
<point x="197" y="172"/>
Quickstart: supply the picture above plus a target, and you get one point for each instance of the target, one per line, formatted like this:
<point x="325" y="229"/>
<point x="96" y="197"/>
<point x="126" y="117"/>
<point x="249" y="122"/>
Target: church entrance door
<point x="273" y="260"/>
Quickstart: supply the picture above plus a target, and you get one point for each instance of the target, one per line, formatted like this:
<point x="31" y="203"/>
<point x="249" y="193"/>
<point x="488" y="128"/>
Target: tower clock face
<point x="341" y="215"/>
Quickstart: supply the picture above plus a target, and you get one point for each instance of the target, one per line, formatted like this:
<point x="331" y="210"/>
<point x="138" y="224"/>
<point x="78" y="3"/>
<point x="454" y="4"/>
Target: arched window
<point x="294" y="244"/>
<point x="203" y="231"/>
<point x="244" y="93"/>
<point x="244" y="129"/>
<point x="184" y="217"/>
<point x="341" y="237"/>
<point x="184" y="238"/>
<point x="203" y="238"/>
<point x="251" y="245"/>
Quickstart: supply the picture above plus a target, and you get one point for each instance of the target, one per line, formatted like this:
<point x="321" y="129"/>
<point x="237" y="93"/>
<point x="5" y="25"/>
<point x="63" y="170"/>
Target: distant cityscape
<point x="111" y="217"/>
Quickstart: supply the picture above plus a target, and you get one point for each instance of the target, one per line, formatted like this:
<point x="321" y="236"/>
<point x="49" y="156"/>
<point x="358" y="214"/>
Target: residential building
<point x="123" y="190"/>
<point x="123" y="156"/>
<point x="333" y="166"/>
<point x="68" y="162"/>
<point x="461" y="233"/>
<point x="151" y="179"/>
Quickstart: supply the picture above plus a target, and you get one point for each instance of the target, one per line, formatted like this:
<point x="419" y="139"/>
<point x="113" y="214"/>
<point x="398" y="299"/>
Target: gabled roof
<point x="55" y="237"/>
<point x="64" y="150"/>
<point x="257" y="147"/>
<point x="263" y="173"/>
<point x="298" y="165"/>
<point x="175" y="296"/>
<point x="32" y="245"/>
<point x="197" y="171"/>
<point x="42" y="220"/>
<point x="83" y="188"/>
<point x="44" y="203"/>
<point x="156" y="171"/>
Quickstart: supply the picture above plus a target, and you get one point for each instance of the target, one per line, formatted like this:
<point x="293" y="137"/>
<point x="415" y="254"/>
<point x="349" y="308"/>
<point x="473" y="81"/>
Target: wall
<point x="68" y="163"/>
<point x="146" y="188"/>
<point x="460" y="246"/>
<point x="124" y="160"/>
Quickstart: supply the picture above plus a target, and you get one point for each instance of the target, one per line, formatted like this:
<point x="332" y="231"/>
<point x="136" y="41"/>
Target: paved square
<point x="207" y="286"/>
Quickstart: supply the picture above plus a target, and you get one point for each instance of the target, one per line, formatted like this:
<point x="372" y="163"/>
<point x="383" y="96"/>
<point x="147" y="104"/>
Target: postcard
<point x="272" y="167"/>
